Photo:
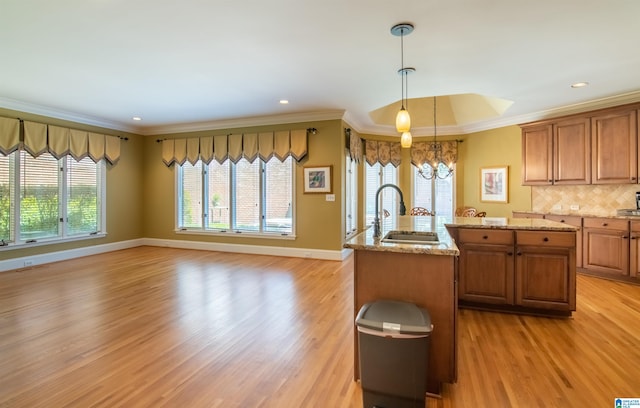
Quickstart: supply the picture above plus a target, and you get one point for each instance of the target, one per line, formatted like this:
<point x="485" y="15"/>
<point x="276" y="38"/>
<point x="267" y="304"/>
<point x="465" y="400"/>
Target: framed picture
<point x="494" y="184"/>
<point x="317" y="179"/>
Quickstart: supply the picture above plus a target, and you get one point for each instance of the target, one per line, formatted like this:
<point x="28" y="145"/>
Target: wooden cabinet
<point x="576" y="221"/>
<point x="486" y="266"/>
<point x="537" y="153"/>
<point x="634" y="249"/>
<point x="545" y="270"/>
<point x="517" y="270"/>
<point x="605" y="245"/>
<point x="557" y="152"/>
<point x="614" y="147"/>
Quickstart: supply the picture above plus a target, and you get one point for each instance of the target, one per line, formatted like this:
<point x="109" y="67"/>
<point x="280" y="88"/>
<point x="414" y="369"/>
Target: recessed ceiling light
<point x="137" y="118"/>
<point x="579" y="84"/>
<point x="283" y="102"/>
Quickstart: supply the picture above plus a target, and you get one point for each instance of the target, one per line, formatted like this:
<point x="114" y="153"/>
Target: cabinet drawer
<point x="635" y="226"/>
<point x="574" y="220"/>
<point x="605" y="223"/>
<point x="546" y="239"/>
<point x="485" y="236"/>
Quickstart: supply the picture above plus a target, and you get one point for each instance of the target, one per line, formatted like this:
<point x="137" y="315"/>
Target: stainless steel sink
<point x="411" y="237"/>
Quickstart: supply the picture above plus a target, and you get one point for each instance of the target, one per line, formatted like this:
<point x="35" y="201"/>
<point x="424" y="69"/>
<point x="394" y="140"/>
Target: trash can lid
<point x="394" y="316"/>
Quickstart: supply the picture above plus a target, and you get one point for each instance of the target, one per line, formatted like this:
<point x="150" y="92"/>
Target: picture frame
<point x="494" y="184"/>
<point x="317" y="179"/>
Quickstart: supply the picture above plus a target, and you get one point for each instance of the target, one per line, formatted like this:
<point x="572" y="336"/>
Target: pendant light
<point x="403" y="120"/>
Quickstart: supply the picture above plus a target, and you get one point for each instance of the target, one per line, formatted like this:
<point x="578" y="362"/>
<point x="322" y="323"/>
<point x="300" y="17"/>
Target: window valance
<point x="354" y="144"/>
<point x="382" y="152"/>
<point x="237" y="146"/>
<point x="39" y="138"/>
<point x="423" y="152"/>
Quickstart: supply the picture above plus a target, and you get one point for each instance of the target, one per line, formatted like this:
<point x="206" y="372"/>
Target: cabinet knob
<point x="519" y="253"/>
<point x="604" y="224"/>
<point x="624" y="237"/>
<point x="510" y="253"/>
<point x="485" y="237"/>
<point x="545" y="239"/>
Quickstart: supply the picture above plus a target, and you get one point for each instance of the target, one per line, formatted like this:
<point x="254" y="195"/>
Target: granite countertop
<point x="509" y="223"/>
<point x="446" y="246"/>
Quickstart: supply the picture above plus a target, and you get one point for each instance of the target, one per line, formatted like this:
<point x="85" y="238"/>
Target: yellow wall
<point x="496" y="147"/>
<point x="319" y="222"/>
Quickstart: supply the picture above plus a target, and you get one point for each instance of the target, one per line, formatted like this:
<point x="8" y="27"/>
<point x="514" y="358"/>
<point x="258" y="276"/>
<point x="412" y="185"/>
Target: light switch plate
<point x="330" y="197"/>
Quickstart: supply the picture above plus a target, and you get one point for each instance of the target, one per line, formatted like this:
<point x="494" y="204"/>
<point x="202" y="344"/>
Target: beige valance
<point x="9" y="135"/>
<point x="424" y="152"/>
<point x="382" y="152"/>
<point x="354" y="144"/>
<point x="237" y="146"/>
<point x="38" y="138"/>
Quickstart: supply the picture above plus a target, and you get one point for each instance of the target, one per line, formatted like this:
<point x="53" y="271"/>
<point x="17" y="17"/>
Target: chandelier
<point x="436" y="167"/>
<point x="403" y="120"/>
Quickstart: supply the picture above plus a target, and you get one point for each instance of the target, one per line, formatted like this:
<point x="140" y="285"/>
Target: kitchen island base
<point x="425" y="280"/>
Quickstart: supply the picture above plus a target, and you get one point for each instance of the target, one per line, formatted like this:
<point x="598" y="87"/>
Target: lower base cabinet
<point x="520" y="270"/>
<point x="606" y="246"/>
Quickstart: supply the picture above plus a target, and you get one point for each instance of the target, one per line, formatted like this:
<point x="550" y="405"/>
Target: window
<point x="244" y="197"/>
<point x="435" y="195"/>
<point x="351" y="196"/>
<point x="376" y="176"/>
<point x="55" y="198"/>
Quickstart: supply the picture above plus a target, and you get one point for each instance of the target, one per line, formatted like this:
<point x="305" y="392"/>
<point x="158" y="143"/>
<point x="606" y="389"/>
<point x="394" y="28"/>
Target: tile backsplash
<point x="599" y="200"/>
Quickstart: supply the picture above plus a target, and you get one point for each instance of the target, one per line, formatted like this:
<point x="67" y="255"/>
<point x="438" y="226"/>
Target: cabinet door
<point x="486" y="273"/>
<point x="572" y="151"/>
<point x="605" y="251"/>
<point x="634" y="250"/>
<point x="537" y="164"/>
<point x="614" y="148"/>
<point x="545" y="278"/>
<point x="576" y="221"/>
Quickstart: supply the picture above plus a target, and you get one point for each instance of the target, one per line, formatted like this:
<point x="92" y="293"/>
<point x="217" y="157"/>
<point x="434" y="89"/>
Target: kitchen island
<point x="427" y="274"/>
<point x="415" y="273"/>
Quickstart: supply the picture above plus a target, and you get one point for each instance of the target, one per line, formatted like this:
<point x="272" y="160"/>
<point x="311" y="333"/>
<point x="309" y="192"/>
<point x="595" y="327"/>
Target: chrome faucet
<point x="376" y="220"/>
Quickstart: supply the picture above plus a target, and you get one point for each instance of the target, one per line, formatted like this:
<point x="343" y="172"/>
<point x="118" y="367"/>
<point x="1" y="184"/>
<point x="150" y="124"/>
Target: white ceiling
<point x="211" y="64"/>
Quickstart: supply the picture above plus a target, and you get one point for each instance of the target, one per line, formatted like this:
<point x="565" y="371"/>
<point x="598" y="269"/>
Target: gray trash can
<point x="393" y="339"/>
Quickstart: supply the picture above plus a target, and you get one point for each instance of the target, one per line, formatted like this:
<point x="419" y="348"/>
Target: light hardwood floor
<point x="159" y="327"/>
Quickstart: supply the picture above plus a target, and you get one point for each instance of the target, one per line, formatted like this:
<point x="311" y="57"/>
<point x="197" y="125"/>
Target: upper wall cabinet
<point x="598" y="147"/>
<point x="557" y="152"/>
<point x="614" y="142"/>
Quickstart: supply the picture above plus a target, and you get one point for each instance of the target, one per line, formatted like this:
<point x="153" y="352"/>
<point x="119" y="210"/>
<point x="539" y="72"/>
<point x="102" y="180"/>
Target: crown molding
<point x="62" y="114"/>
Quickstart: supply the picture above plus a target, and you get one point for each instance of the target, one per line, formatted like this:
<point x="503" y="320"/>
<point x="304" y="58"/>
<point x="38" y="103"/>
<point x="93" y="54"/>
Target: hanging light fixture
<point x="437" y="168"/>
<point x="403" y="120"/>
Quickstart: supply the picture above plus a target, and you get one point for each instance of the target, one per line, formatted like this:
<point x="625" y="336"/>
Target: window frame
<point x="232" y="231"/>
<point x="434" y="198"/>
<point x="17" y="241"/>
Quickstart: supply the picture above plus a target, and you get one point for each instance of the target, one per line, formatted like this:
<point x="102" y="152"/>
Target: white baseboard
<point x="251" y="249"/>
<point x="33" y="260"/>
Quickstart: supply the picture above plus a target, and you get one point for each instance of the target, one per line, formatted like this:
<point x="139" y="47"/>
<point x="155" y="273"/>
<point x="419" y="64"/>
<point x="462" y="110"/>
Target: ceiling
<point x="213" y="64"/>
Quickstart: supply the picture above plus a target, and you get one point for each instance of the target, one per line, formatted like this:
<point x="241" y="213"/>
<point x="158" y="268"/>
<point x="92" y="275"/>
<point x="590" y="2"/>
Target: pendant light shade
<point x="403" y="121"/>
<point x="406" y="139"/>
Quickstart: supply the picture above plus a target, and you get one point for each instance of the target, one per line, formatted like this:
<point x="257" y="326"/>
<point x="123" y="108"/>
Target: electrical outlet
<point x="557" y="207"/>
<point x="28" y="262"/>
<point x="330" y="197"/>
<point x="574" y="207"/>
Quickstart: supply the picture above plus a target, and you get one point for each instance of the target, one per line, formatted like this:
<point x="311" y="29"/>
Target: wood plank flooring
<point x="160" y="327"/>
